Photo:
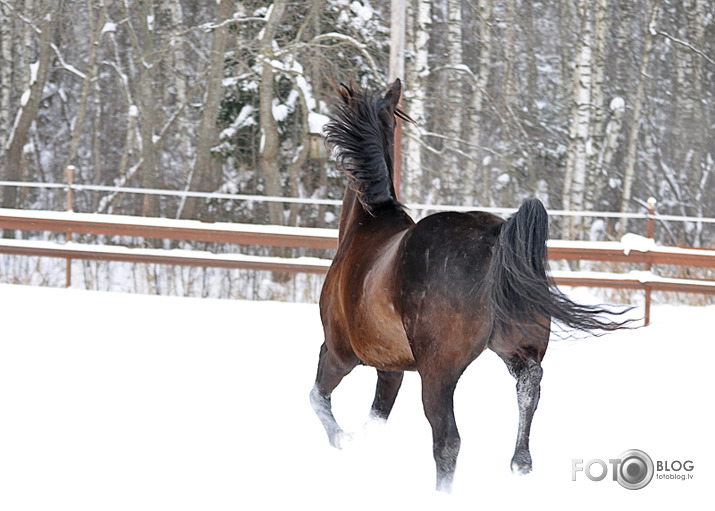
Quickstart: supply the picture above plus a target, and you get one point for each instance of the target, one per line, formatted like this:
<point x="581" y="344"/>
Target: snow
<point x="316" y="122"/>
<point x="108" y="27"/>
<point x="34" y="68"/>
<point x="280" y="112"/>
<point x="362" y="10"/>
<point x="25" y="98"/>
<point x="242" y="120"/>
<point x="618" y="104"/>
<point x="114" y="401"/>
<point x="635" y="243"/>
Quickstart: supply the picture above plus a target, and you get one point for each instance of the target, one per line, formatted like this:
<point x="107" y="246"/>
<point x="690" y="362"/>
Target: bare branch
<point x="685" y="43"/>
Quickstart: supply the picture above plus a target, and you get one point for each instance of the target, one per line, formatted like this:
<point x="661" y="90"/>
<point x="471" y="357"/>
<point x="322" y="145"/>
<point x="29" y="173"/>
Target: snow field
<point x="115" y="401"/>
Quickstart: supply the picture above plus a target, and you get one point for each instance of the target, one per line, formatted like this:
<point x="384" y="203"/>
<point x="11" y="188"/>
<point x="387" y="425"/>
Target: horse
<point x="430" y="296"/>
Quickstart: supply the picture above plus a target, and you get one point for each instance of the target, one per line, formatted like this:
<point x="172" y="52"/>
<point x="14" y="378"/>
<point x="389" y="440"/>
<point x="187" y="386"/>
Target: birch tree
<point x="575" y="178"/>
<point x="6" y="41"/>
<point x="478" y="187"/>
<point x="417" y="71"/>
<point x="589" y="104"/>
<point x="455" y="97"/>
<point x="595" y="174"/>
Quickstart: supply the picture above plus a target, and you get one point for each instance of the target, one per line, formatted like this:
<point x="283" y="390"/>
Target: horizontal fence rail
<point x="161" y="256"/>
<point x="310" y="237"/>
<point x="165" y="228"/>
<point x="71" y="186"/>
<point x="641" y="251"/>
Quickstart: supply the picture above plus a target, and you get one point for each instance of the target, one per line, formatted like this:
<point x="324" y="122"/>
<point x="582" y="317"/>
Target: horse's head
<point x="387" y="107"/>
<point x="363" y="132"/>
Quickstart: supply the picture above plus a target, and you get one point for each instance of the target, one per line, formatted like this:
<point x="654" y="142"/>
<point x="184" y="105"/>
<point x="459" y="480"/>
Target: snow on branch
<point x="64" y="65"/>
<point x="343" y="38"/>
<point x="685" y="43"/>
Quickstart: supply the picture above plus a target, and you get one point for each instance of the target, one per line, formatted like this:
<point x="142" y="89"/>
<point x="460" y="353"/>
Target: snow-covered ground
<point x="113" y="401"/>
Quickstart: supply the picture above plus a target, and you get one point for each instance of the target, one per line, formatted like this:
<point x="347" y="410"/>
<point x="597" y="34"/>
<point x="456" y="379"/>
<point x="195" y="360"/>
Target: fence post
<point x="70" y="207"/>
<point x="650" y="232"/>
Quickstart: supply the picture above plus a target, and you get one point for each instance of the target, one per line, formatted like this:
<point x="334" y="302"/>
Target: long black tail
<point x="521" y="292"/>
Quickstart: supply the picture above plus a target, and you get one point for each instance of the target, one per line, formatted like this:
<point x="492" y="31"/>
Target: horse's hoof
<point x="341" y="439"/>
<point x="373" y="423"/>
<point x="521" y="464"/>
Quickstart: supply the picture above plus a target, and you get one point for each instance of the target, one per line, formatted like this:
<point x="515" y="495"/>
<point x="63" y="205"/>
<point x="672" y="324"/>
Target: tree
<point x="18" y="135"/>
<point x="629" y="173"/>
<point x="576" y="165"/>
<point x="417" y="70"/>
<point x="512" y="101"/>
<point x="206" y="175"/>
<point x="270" y="139"/>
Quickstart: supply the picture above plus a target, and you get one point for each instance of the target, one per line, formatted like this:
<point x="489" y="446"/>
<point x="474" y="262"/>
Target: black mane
<point x="361" y="133"/>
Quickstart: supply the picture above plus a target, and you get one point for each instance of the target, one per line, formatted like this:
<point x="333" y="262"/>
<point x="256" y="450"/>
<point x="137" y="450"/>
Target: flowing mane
<point x="362" y="135"/>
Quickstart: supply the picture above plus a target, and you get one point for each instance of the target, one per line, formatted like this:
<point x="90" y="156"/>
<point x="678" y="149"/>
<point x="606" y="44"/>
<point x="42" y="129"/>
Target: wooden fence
<point x="276" y="236"/>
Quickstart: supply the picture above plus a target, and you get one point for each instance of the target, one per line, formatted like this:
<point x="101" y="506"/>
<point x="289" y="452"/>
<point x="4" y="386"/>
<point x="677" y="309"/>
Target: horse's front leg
<point x="388" y="385"/>
<point x="330" y="374"/>
<point x="528" y="375"/>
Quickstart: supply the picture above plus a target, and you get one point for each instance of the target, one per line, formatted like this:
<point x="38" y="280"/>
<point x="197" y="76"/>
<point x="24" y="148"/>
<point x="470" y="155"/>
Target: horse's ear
<point x="342" y="90"/>
<point x="394" y="92"/>
<point x="346" y="92"/>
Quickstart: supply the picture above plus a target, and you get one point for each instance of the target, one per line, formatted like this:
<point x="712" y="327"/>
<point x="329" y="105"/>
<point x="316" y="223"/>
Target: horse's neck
<point x="351" y="212"/>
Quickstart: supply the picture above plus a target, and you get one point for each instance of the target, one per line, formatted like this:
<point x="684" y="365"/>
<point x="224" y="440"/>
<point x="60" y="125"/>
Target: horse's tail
<point x="362" y="136"/>
<point x="521" y="292"/>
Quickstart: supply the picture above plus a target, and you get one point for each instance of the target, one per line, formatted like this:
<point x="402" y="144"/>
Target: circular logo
<point x="636" y="469"/>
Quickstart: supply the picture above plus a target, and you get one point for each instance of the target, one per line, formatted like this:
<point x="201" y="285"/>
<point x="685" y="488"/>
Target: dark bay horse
<point x="430" y="296"/>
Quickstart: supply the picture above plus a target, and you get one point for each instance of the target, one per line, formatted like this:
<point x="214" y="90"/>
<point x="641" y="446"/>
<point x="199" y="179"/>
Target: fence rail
<point x="71" y="186"/>
<point x="277" y="236"/>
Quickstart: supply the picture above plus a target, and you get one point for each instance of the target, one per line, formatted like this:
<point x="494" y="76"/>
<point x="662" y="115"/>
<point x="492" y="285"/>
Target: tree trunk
<point x="629" y="173"/>
<point x="455" y="98"/>
<point x="595" y="175"/>
<point x="181" y="74"/>
<point x="270" y="145"/>
<point x="415" y="92"/>
<point x="29" y="105"/>
<point x="509" y="84"/>
<point x="478" y="185"/>
<point x="95" y="28"/>
<point x="6" y="42"/>
<point x="296" y="165"/>
<point x="97" y="118"/>
<point x="575" y="178"/>
<point x="147" y="115"/>
<point x="206" y="176"/>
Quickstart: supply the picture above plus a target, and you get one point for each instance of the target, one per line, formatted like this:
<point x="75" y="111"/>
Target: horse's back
<point x="444" y="259"/>
<point x="449" y="251"/>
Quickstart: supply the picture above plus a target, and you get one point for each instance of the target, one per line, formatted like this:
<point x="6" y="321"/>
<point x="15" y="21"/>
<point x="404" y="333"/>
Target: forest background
<point x="590" y="105"/>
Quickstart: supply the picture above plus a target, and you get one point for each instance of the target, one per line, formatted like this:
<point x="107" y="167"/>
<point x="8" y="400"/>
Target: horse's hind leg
<point x="438" y="401"/>
<point x="388" y="385"/>
<point x="528" y="378"/>
<point x="330" y="374"/>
